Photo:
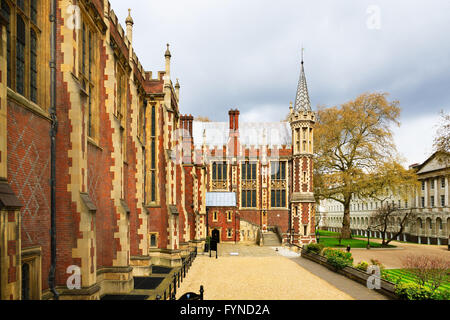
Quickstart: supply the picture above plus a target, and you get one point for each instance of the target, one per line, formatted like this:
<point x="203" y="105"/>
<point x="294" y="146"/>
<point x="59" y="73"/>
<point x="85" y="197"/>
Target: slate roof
<point x="302" y="101"/>
<point x="272" y="134"/>
<point x="221" y="199"/>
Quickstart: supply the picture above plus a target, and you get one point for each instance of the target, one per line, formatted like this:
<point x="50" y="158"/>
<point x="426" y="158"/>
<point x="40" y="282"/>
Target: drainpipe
<point x="144" y="149"/>
<point x="53" y="131"/>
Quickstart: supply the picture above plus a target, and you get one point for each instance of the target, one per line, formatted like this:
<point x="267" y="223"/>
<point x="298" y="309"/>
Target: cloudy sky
<point x="246" y="54"/>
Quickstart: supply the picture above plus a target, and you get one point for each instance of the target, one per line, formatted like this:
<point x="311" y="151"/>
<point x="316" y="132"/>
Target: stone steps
<point x="270" y="239"/>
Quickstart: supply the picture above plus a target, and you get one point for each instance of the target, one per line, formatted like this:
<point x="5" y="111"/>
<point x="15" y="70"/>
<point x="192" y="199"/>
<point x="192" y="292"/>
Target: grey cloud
<point x="246" y="54"/>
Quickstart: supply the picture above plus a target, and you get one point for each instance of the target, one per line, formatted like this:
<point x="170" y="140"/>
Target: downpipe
<point x="53" y="131"/>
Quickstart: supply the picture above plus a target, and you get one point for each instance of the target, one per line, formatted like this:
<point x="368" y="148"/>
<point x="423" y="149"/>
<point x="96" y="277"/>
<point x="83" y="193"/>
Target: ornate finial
<point x="303" y="51"/>
<point x="177" y="85"/>
<point x="167" y="54"/>
<point x="129" y="19"/>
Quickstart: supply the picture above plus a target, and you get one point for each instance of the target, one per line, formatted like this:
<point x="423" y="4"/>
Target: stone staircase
<point x="270" y="239"/>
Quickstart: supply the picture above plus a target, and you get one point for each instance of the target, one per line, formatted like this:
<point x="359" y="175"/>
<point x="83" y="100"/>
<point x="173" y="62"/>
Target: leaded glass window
<point x="7" y="14"/>
<point x="33" y="11"/>
<point x="20" y="56"/>
<point x="33" y="66"/>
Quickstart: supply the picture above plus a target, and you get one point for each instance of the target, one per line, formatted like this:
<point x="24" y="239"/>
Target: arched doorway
<point x="26" y="282"/>
<point x="215" y="235"/>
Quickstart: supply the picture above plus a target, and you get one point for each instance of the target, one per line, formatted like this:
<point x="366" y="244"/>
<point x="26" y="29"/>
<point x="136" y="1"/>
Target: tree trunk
<point x="346" y="232"/>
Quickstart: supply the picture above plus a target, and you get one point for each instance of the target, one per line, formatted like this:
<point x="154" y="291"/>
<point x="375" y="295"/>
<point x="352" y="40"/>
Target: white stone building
<point x="430" y="203"/>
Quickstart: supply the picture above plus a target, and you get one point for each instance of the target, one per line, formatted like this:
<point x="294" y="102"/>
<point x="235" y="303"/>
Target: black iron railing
<point x="171" y="291"/>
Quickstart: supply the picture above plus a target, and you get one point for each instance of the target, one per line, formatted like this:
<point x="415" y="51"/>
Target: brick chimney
<point x="234" y="119"/>
<point x="186" y="122"/>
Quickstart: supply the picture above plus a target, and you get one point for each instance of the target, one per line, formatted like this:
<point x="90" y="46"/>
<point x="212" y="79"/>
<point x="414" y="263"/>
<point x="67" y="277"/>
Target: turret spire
<point x="302" y="102"/>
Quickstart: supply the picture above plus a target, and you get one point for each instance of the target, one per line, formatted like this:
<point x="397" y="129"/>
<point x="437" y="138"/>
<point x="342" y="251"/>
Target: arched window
<point x="20" y="55"/>
<point x="153" y="240"/>
<point x="439" y="223"/>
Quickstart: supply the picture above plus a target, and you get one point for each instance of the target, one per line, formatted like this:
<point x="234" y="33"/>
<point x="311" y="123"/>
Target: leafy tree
<point x="355" y="154"/>
<point x="389" y="218"/>
<point x="442" y="139"/>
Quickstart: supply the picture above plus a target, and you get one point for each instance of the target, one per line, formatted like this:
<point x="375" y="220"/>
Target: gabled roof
<point x="432" y="163"/>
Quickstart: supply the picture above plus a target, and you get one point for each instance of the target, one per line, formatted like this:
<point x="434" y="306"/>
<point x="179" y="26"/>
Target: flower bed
<point x="344" y="267"/>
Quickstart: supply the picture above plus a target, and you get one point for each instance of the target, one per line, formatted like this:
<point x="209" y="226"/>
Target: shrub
<point x="377" y="263"/>
<point x="412" y="291"/>
<point x="315" y="248"/>
<point x="428" y="269"/>
<point x="338" y="259"/>
<point x="362" y="266"/>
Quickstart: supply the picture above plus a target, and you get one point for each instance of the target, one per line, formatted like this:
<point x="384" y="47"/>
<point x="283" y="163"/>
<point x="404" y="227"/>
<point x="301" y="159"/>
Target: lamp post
<point x="235" y="230"/>
<point x="368" y="238"/>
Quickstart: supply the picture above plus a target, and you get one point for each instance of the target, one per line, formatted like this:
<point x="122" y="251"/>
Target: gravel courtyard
<point x="392" y="258"/>
<point x="261" y="273"/>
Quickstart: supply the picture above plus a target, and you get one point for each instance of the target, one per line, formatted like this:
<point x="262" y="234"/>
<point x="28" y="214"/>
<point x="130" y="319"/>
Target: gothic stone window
<point x="22" y="46"/>
<point x="219" y="175"/>
<point x="278" y="184"/>
<point x="153" y="240"/>
<point x="249" y="182"/>
<point x="153" y="155"/>
<point x="86" y="73"/>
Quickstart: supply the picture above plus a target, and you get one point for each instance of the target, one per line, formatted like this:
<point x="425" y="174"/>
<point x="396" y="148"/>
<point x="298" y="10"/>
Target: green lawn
<point x="331" y="239"/>
<point x="328" y="233"/>
<point x="354" y="243"/>
<point x="405" y="276"/>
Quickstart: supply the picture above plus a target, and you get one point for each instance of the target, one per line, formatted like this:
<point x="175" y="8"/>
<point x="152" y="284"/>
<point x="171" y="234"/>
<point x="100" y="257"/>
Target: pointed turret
<point x="302" y="101"/>
<point x="302" y="121"/>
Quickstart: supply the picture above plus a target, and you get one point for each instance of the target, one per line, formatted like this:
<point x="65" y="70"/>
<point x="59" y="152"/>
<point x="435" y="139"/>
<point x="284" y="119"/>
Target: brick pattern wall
<point x="28" y="175"/>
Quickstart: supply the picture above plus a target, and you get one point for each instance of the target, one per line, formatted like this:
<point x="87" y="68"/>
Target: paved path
<point x="262" y="273"/>
<point x="392" y="258"/>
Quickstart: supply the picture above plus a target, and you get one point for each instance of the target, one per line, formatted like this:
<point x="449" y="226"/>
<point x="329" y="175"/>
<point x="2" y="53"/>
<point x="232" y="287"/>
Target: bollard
<point x="178" y="279"/>
<point x="201" y="292"/>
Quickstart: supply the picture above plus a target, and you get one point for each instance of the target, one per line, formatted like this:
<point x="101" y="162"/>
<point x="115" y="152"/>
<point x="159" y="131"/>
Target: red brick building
<point x="102" y="177"/>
